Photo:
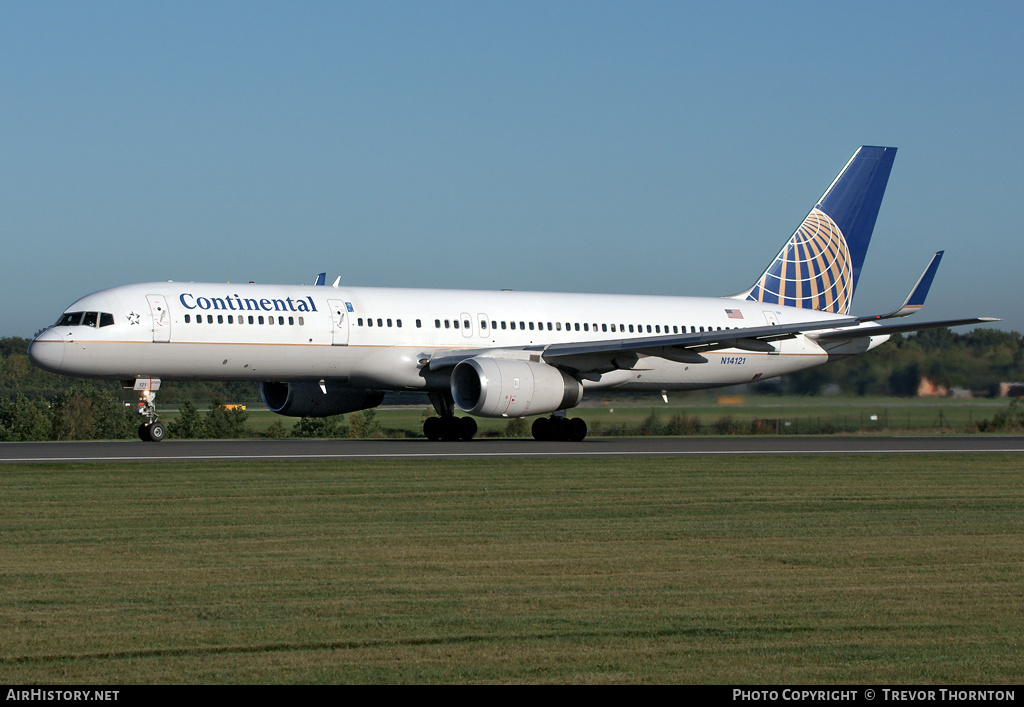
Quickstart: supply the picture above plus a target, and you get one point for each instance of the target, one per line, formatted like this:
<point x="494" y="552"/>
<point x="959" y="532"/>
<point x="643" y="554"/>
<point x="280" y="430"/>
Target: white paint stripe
<point x="478" y="455"/>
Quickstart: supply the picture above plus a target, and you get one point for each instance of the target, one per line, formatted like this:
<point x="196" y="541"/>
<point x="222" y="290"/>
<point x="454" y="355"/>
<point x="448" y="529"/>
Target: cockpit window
<point x="70" y="319"/>
<point x="92" y="319"/>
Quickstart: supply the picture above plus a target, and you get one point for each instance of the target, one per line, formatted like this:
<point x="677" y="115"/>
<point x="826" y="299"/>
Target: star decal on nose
<point x="133" y="318"/>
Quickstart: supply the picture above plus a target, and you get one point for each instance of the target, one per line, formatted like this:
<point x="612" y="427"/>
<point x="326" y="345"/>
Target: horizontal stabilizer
<point x="885" y="329"/>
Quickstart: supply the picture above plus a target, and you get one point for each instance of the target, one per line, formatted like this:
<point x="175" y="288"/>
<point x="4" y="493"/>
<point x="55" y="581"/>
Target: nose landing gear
<point x="151" y="430"/>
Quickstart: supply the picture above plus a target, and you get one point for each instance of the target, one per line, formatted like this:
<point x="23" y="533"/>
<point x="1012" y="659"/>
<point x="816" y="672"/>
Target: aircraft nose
<point x="47" y="351"/>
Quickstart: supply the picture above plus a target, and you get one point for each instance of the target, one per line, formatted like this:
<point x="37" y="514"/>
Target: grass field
<point x="784" y="414"/>
<point x="743" y="570"/>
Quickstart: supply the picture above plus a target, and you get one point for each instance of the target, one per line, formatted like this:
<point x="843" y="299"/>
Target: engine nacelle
<point x="492" y="387"/>
<point x="308" y="400"/>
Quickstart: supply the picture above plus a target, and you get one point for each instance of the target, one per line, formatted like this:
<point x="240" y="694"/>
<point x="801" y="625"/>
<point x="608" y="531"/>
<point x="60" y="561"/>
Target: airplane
<point x="324" y="350"/>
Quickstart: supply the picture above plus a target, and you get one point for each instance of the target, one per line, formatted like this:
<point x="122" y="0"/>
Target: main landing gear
<point x="151" y="430"/>
<point x="447" y="427"/>
<point x="559" y="428"/>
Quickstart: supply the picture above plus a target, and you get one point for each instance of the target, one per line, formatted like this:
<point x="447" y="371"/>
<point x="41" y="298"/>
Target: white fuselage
<point x="381" y="338"/>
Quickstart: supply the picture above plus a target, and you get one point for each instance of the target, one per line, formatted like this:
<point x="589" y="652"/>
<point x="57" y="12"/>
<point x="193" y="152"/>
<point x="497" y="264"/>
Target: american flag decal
<point x="734" y="313"/>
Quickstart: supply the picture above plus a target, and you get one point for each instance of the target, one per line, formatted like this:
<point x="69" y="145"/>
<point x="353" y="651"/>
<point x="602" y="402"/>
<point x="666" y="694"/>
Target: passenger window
<point x="209" y="319"/>
<point x="558" y="326"/>
<point x="456" y="323"/>
<point x="531" y="326"/>
<point x="231" y="319"/>
<point x="302" y="321"/>
<point x="188" y="319"/>
<point x="220" y="318"/>
<point x="260" y="319"/>
<point x="380" y="322"/>
<point x="291" y="321"/>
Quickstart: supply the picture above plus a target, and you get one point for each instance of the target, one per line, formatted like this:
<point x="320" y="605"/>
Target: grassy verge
<point x="703" y="415"/>
<point x="858" y="570"/>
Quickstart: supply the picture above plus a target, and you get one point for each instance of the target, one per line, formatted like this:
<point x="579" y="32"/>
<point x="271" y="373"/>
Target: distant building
<point x="1011" y="390"/>
<point x="929" y="389"/>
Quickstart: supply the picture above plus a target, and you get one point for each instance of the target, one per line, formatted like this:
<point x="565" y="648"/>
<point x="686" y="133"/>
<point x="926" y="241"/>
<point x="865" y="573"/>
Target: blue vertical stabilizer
<point x="819" y="266"/>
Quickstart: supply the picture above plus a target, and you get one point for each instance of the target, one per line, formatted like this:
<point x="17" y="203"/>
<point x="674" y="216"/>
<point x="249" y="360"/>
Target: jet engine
<point x="491" y="387"/>
<point x="308" y="400"/>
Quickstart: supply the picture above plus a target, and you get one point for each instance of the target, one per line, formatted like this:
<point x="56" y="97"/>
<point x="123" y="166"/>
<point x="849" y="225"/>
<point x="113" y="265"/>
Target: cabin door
<point x="339" y="322"/>
<point x="161" y="318"/>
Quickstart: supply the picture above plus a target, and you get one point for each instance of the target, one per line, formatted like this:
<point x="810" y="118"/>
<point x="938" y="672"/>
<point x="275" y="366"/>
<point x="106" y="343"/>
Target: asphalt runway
<point x="135" y="451"/>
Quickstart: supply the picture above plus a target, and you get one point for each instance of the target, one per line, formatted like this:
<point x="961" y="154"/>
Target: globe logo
<point x="813" y="270"/>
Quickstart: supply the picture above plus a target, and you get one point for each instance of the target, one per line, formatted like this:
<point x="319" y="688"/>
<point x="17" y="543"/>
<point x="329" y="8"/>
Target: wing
<point x="595" y="357"/>
<point x="589" y="359"/>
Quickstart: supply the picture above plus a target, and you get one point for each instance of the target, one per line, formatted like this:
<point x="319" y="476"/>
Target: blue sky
<point x="649" y="148"/>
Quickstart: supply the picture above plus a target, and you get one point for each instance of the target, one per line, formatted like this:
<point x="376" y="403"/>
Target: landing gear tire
<point x="153" y="432"/>
<point x="449" y="429"/>
<point x="559" y="429"/>
<point x="467" y="428"/>
<point x="577" y="429"/>
<point x="432" y="428"/>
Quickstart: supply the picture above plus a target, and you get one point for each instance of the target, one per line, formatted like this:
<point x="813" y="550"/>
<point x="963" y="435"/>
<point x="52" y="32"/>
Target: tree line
<point x="978" y="360"/>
